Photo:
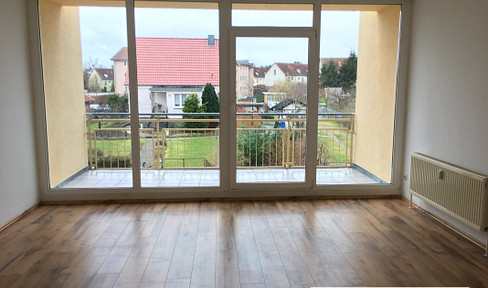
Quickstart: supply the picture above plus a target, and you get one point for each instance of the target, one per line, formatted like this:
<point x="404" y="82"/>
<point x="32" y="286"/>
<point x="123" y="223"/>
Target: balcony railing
<point x="264" y="140"/>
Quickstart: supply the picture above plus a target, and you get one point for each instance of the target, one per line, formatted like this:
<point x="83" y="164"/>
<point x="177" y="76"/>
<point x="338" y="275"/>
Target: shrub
<point x="118" y="103"/>
<point x="111" y="161"/>
<point x="257" y="147"/>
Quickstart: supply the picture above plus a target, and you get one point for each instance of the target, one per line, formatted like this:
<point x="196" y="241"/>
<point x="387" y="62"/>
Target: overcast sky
<point x="103" y="32"/>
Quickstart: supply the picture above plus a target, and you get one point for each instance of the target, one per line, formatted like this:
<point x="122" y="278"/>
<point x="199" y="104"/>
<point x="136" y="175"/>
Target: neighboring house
<point x="259" y="73"/>
<point x="289" y="106"/>
<point x="339" y="61"/>
<point x="170" y="69"/>
<point x="99" y="100"/>
<point x="88" y="101"/>
<point x="283" y="72"/>
<point x="121" y="60"/>
<point x="101" y="79"/>
<point x="244" y="79"/>
<point x="273" y="98"/>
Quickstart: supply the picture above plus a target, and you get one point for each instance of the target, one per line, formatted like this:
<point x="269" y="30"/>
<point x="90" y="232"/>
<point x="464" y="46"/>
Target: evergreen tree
<point x="118" y="103"/>
<point x="192" y="105"/>
<point x="348" y="72"/>
<point x="329" y="75"/>
<point x="209" y="97"/>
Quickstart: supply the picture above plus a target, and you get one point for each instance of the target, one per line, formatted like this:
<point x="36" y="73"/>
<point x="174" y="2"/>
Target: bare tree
<point x="296" y="91"/>
<point x="299" y="92"/>
<point x="344" y="102"/>
<point x="88" y="67"/>
<point x="95" y="84"/>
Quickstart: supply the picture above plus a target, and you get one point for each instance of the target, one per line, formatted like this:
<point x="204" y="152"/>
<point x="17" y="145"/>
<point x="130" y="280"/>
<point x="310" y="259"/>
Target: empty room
<point x="243" y="143"/>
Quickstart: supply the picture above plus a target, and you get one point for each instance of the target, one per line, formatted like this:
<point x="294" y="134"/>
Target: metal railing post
<point x="163" y="149"/>
<point x="287" y="145"/>
<point x="95" y="147"/>
<point x="90" y="152"/>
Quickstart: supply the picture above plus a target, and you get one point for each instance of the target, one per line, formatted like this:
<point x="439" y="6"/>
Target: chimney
<point x="211" y="40"/>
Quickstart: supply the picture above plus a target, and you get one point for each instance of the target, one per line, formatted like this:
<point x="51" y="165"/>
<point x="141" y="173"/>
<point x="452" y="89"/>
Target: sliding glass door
<point x="270" y="130"/>
<point x="271" y="52"/>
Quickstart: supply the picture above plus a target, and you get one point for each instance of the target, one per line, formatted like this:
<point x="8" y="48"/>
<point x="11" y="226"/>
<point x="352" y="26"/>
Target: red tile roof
<point x="293" y="69"/>
<point x="122" y="55"/>
<point x="89" y="99"/>
<point x="176" y="61"/>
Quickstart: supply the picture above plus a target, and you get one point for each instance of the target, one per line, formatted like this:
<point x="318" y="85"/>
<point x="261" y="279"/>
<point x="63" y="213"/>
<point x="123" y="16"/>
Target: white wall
<point x="119" y="77"/>
<point x="271" y="79"/>
<point x="144" y="95"/>
<point x="18" y="174"/>
<point x="171" y="100"/>
<point x="447" y="114"/>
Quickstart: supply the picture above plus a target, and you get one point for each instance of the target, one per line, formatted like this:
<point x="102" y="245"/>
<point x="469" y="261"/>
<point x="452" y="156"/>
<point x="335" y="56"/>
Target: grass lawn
<point x="94" y="125"/>
<point x="114" y="147"/>
<point x="105" y="125"/>
<point x="337" y="152"/>
<point x="332" y="124"/>
<point x="192" y="134"/>
<point x="193" y="150"/>
<point x="340" y="134"/>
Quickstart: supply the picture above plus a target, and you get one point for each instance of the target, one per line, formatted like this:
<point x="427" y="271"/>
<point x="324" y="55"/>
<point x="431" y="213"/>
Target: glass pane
<point x="272" y="15"/>
<point x="271" y="91"/>
<point x="88" y="145"/>
<point x="358" y="59"/>
<point x="178" y="92"/>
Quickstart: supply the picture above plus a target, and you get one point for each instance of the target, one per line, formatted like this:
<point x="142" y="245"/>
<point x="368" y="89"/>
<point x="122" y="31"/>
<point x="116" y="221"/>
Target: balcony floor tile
<point x="211" y="177"/>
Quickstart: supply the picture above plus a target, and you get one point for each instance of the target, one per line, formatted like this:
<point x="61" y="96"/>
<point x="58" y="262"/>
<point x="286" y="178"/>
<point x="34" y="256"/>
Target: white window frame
<point x="180" y="96"/>
<point x="226" y="85"/>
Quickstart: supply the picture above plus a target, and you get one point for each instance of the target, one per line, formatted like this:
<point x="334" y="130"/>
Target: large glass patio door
<point x="243" y="97"/>
<point x="270" y="108"/>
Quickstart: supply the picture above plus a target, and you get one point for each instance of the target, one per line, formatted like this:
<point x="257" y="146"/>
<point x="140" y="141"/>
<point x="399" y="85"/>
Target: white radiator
<point x="461" y="193"/>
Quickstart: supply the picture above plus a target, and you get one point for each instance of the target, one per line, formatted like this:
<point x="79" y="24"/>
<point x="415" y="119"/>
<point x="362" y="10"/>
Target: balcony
<point x="178" y="152"/>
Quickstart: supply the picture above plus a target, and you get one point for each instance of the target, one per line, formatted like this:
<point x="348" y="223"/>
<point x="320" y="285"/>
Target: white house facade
<point x="283" y="72"/>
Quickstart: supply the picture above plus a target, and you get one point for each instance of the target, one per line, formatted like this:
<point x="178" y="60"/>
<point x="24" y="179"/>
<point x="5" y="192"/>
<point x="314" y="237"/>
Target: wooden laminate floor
<point x="237" y="244"/>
